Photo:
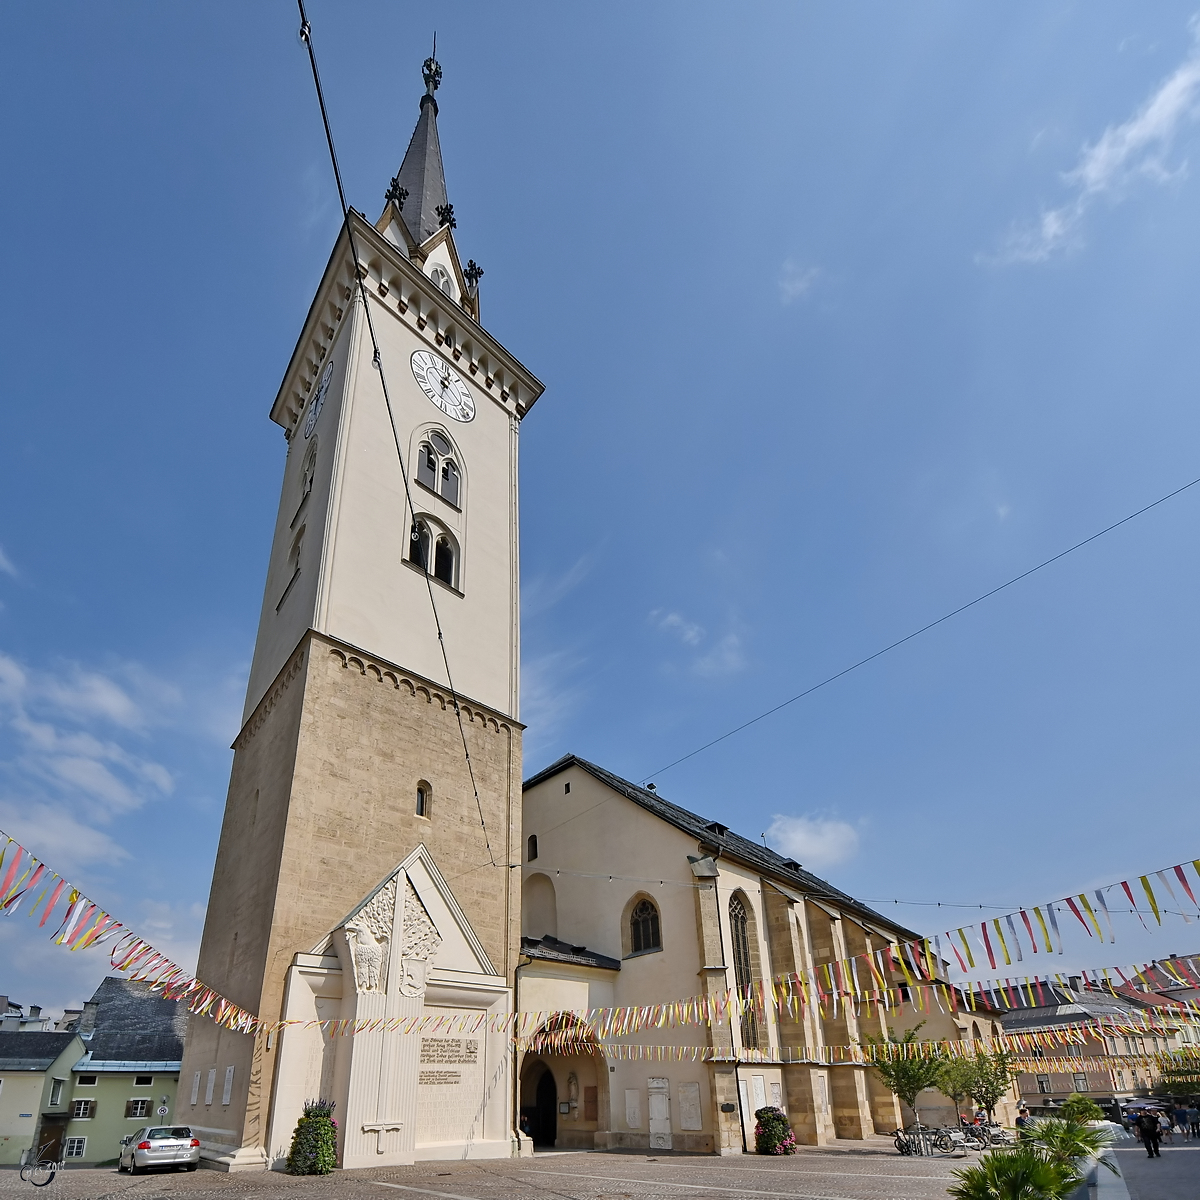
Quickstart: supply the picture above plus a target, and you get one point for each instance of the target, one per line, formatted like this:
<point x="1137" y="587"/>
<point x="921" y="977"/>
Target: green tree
<point x="993" y="1077"/>
<point x="957" y="1081"/>
<point x="1079" y="1109"/>
<point x="906" y="1073"/>
<point x="1020" y="1174"/>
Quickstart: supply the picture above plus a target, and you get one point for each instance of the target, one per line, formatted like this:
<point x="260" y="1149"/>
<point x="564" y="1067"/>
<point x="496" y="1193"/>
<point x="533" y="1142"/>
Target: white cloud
<point x="6" y="564"/>
<point x="813" y="841"/>
<point x="723" y="659"/>
<point x="1135" y="149"/>
<point x="542" y="593"/>
<point x="795" y="279"/>
<point x="688" y="632"/>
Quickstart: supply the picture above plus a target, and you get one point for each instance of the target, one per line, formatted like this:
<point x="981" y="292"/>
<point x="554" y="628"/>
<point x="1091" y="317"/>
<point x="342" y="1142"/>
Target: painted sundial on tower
<point x="443" y="385"/>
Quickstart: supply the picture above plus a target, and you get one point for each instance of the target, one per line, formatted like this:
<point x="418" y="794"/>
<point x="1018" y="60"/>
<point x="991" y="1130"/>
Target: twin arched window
<point x="645" y="932"/>
<point x="437" y="470"/>
<point x="433" y="551"/>
<point x="441" y="279"/>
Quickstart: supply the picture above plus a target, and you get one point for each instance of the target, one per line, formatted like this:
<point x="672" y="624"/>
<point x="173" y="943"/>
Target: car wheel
<point x="191" y="1166"/>
<point x="133" y="1167"/>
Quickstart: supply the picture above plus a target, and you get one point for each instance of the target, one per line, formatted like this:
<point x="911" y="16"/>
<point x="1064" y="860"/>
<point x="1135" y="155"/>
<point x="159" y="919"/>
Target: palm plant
<point x="1020" y="1174"/>
<point x="1066" y="1141"/>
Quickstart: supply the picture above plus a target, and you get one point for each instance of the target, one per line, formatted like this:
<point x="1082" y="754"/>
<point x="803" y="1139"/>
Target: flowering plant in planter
<point x="314" y="1144"/>
<point x="773" y="1134"/>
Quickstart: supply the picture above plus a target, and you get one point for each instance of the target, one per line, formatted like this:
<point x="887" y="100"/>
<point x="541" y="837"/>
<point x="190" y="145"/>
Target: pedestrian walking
<point x="1022" y="1123"/>
<point x="1193" y="1116"/>
<point x="1166" y="1127"/>
<point x="1181" y="1121"/>
<point x="1148" y="1127"/>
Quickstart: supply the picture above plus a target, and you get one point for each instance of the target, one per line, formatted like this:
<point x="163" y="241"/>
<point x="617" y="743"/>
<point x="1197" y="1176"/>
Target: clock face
<point x="443" y="385"/>
<point x="314" y="409"/>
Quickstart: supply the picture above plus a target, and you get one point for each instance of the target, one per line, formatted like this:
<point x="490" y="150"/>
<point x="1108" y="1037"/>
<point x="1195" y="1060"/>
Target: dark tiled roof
<point x="550" y="949"/>
<point x="31" y="1051"/>
<point x="111" y="1046"/>
<point x="421" y="175"/>
<point x="135" y="1024"/>
<point x="730" y="845"/>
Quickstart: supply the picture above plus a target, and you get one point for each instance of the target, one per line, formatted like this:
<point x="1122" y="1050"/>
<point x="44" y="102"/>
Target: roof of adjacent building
<point x="31" y="1051"/>
<point x="725" y="843"/>
<point x="550" y="949"/>
<point x="135" y="1024"/>
<point x="1069" y="1006"/>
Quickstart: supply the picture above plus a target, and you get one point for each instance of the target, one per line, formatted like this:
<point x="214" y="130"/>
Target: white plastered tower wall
<point x="349" y="709"/>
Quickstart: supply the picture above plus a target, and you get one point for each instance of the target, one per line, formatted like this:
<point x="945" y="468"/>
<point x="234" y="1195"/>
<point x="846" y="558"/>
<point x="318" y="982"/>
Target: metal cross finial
<point x="431" y="72"/>
<point x="473" y="274"/>
<point x="395" y="193"/>
<point x="445" y="213"/>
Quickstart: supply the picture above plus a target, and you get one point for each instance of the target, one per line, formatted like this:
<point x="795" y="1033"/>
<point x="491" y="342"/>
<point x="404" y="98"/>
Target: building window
<point x="418" y="546"/>
<point x="441" y="280"/>
<point x="87" y="1081"/>
<point x="137" y="1108"/>
<point x="74" y="1147"/>
<point x="424" y="795"/>
<point x="644" y="930"/>
<point x="1043" y="1082"/>
<point x="427" y="467"/>
<point x="56" y="1093"/>
<point x="143" y="1081"/>
<point x="437" y="469"/>
<point x="83" y="1110"/>
<point x="1081" y="1083"/>
<point x="308" y="470"/>
<point x="531" y="848"/>
<point x="449" y="488"/>
<point x="739" y="928"/>
<point x="445" y="560"/>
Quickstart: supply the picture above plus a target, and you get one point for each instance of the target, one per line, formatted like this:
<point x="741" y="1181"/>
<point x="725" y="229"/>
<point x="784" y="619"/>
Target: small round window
<point x="440" y="444"/>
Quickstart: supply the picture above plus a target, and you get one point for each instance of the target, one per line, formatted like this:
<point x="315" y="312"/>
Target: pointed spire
<point x="419" y="188"/>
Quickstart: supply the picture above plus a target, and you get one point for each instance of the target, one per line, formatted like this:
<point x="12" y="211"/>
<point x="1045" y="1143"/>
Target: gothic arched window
<point x="418" y="545"/>
<point x="644" y="931"/>
<point x="424" y="799"/>
<point x="445" y="560"/>
<point x="441" y="279"/>
<point x="449" y="488"/>
<point x="743" y="966"/>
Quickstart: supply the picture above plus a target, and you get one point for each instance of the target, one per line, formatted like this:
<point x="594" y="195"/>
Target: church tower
<point x="363" y="867"/>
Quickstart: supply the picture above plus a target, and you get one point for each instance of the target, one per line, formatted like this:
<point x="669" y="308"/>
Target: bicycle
<point x="913" y="1140"/>
<point x="968" y="1137"/>
<point x="40" y="1171"/>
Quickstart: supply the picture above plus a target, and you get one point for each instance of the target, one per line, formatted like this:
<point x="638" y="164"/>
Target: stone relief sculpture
<point x="369" y="934"/>
<point x="420" y="944"/>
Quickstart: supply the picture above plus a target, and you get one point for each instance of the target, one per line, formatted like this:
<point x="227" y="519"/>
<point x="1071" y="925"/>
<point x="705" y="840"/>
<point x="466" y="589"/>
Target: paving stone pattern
<point x="865" y="1173"/>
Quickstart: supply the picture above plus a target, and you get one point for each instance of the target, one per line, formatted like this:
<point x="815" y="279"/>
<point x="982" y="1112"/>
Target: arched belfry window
<point x="645" y="932"/>
<point x="418" y="544"/>
<point x="437" y="469"/>
<point x="445" y="561"/>
<point x="740" y="931"/>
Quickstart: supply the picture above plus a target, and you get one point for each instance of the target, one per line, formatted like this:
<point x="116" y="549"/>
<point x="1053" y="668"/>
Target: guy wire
<point x="306" y="38"/>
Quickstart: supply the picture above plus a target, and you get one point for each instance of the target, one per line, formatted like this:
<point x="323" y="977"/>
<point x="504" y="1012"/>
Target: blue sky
<point x="847" y="313"/>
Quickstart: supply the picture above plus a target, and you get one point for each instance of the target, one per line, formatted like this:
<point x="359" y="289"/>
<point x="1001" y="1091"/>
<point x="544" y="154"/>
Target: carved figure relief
<point x="369" y="934"/>
<point x="420" y="944"/>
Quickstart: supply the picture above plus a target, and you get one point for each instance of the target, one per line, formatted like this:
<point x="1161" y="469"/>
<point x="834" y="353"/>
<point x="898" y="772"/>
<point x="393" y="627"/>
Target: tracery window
<point x="437" y="469"/>
<point x="743" y="968"/>
<point x="645" y="932"/>
<point x="434" y="551"/>
<point x="441" y="279"/>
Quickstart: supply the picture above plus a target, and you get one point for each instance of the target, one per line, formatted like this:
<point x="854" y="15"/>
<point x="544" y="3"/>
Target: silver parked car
<point x="159" y="1146"/>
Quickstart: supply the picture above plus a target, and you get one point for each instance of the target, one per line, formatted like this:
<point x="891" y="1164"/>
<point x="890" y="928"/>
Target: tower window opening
<point x="308" y="470"/>
<point x="531" y="848"/>
<point x="449" y="487"/>
<point x="645" y="933"/>
<point x="441" y="279"/>
<point x="423" y="799"/>
<point x="443" y="561"/>
<point x="418" y="545"/>
<point x="427" y="467"/>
